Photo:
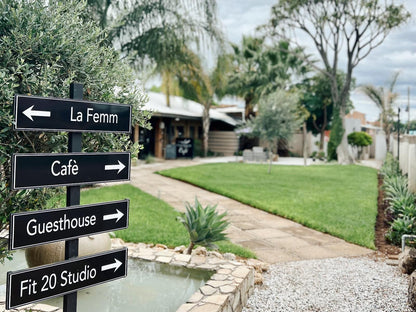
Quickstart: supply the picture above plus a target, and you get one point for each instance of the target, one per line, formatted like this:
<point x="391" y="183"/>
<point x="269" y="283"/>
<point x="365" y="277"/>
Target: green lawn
<point x="151" y="220"/>
<point x="340" y="200"/>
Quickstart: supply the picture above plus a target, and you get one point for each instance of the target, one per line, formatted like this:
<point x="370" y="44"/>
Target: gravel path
<point x="340" y="284"/>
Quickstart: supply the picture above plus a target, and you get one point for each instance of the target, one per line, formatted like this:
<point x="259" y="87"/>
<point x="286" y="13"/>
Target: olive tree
<point x="277" y="119"/>
<point x="43" y="48"/>
<point x="343" y="33"/>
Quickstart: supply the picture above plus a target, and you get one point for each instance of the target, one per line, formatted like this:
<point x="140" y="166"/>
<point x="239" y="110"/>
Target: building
<point x="183" y="119"/>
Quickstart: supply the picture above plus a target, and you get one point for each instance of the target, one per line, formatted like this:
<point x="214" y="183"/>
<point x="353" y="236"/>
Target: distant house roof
<point x="181" y="108"/>
<point x="237" y="113"/>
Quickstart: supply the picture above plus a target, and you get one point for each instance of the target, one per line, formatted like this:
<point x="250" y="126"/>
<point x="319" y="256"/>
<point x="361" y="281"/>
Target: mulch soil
<point x="383" y="225"/>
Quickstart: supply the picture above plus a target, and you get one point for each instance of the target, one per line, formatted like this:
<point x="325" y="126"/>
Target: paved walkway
<point x="272" y="238"/>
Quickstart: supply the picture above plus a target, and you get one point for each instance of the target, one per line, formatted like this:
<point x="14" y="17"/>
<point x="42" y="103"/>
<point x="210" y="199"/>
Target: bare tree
<point x="339" y="29"/>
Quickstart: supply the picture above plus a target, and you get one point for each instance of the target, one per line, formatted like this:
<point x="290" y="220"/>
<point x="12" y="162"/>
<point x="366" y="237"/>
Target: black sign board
<point x="46" y="170"/>
<point x="52" y="114"/>
<point x="57" y="279"/>
<point x="33" y="228"/>
<point x="184" y="148"/>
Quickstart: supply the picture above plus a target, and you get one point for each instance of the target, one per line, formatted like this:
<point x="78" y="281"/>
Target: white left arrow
<point x="30" y="112"/>
<point x="117" y="216"/>
<point x="120" y="166"/>
<point x="111" y="266"/>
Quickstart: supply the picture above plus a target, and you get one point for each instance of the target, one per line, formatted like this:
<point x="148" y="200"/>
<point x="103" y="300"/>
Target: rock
<point x="180" y="249"/>
<point x="258" y="279"/>
<point x="216" y="254"/>
<point x="50" y="253"/>
<point x="229" y="256"/>
<point x="259" y="266"/>
<point x="161" y="246"/>
<point x="411" y="294"/>
<point x="117" y="242"/>
<point x="200" y="251"/>
<point x="407" y="260"/>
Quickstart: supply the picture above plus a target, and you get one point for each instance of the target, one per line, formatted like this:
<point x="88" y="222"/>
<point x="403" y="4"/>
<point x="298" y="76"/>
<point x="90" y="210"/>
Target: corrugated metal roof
<point x="180" y="107"/>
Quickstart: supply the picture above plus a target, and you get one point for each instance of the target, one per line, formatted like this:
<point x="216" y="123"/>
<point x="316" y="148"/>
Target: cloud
<point x="397" y="53"/>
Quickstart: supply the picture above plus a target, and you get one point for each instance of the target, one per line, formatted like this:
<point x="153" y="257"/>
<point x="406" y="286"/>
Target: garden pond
<point x="149" y="286"/>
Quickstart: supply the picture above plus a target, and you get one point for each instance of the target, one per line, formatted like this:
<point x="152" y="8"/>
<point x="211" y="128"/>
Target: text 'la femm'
<point x="94" y="117"/>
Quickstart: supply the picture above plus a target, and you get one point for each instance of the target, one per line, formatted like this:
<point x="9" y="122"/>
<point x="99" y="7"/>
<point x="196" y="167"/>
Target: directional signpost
<point x="46" y="170"/>
<point x="71" y="169"/>
<point x="64" y="277"/>
<point x="32" y="228"/>
<point x="51" y="114"/>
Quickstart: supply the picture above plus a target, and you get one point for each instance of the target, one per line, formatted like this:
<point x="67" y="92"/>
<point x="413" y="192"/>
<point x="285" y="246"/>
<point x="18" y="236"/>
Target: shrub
<point x="204" y="225"/>
<point x="390" y="166"/>
<point x="400" y="227"/>
<point x="401" y="201"/>
<point x="359" y="140"/>
<point x="46" y="45"/>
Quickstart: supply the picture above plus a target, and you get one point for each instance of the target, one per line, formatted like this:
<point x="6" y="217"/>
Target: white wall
<point x="407" y="156"/>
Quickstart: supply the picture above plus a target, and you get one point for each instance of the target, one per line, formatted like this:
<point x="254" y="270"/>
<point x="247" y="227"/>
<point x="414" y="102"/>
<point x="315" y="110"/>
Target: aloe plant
<point x="204" y="225"/>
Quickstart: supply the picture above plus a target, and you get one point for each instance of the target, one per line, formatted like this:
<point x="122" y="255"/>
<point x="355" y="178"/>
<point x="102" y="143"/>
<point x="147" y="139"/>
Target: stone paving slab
<point x="272" y="238"/>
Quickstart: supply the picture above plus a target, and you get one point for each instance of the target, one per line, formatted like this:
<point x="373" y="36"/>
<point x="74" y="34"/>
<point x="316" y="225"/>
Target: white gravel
<point x="340" y="284"/>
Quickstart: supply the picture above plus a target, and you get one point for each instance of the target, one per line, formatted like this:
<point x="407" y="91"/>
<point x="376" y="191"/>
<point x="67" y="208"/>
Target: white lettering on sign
<point x="69" y="278"/>
<point x="70" y="169"/>
<point x="28" y="286"/>
<point x="78" y="117"/>
<point x="101" y="117"/>
<point x="94" y="117"/>
<point x="34" y="227"/>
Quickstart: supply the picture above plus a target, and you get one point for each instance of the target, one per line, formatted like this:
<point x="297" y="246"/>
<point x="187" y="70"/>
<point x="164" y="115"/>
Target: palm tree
<point x="195" y="84"/>
<point x="384" y="99"/>
<point x="260" y="69"/>
<point x="154" y="33"/>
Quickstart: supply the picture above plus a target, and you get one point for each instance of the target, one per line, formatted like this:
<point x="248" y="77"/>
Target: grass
<point x="151" y="220"/>
<point x="334" y="199"/>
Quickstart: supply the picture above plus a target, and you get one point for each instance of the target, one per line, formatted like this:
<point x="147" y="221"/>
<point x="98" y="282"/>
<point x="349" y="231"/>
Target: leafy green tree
<point x="359" y="140"/>
<point x="259" y="69"/>
<point x="340" y="30"/>
<point x="317" y="100"/>
<point x="43" y="49"/>
<point x="384" y="99"/>
<point x="277" y="119"/>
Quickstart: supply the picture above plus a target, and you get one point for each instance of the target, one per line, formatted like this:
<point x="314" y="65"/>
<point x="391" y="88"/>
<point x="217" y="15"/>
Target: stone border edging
<point x="227" y="290"/>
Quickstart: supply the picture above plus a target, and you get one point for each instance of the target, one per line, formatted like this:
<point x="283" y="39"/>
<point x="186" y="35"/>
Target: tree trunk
<point x="248" y="108"/>
<point x="189" y="250"/>
<point x="205" y="127"/>
<point x="322" y="140"/>
<point x="304" y="144"/>
<point x="270" y="157"/>
<point x="343" y="153"/>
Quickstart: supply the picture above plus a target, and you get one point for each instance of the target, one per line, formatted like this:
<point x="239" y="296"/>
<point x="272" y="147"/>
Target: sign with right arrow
<point x="48" y="170"/>
<point x="52" y="280"/>
<point x="32" y="228"/>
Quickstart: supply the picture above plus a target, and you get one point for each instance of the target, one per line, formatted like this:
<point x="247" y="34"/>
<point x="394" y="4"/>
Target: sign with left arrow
<point x="48" y="170"/>
<point x="52" y="114"/>
<point x="32" y="228"/>
<point x="57" y="279"/>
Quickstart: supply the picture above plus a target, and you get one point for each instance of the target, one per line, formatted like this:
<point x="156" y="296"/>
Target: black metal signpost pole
<point x="73" y="197"/>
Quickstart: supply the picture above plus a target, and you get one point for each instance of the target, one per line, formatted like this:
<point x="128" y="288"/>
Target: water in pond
<point x="148" y="287"/>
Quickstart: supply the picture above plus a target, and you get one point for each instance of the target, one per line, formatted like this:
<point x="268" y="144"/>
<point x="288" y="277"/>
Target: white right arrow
<point x="30" y="112"/>
<point x="111" y="266"/>
<point x="120" y="166"/>
<point x="117" y="216"/>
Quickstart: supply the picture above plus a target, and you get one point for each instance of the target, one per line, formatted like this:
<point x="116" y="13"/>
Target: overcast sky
<point x="397" y="53"/>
